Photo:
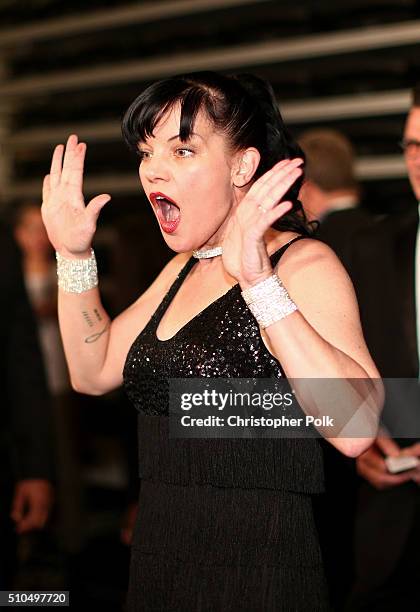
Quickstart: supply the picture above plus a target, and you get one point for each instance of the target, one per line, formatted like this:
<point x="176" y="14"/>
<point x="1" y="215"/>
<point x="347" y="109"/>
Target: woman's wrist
<point x="63" y="252"/>
<point x="77" y="275"/>
<point x="269" y="301"/>
<point x="247" y="283"/>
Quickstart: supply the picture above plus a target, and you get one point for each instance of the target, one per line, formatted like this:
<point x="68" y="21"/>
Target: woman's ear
<point x="245" y="166"/>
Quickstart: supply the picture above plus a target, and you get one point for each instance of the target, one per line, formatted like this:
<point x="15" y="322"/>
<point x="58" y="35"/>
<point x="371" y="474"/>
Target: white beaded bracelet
<point x="269" y="301"/>
<point x="77" y="275"/>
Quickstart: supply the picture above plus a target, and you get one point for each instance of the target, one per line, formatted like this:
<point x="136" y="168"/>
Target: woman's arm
<point x="323" y="340"/>
<point x="320" y="343"/>
<point x="95" y="347"/>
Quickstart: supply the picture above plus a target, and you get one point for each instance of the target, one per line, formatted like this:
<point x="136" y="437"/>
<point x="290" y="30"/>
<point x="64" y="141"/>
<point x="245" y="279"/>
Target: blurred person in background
<point x="26" y="455"/>
<point x="41" y="281"/>
<point x="331" y="193"/>
<point x="40" y="277"/>
<point x="385" y="267"/>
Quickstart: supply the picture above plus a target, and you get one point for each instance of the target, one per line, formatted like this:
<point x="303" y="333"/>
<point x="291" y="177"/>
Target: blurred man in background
<point x="26" y="472"/>
<point x="385" y="268"/>
<point x="331" y="193"/>
<point x="40" y="277"/>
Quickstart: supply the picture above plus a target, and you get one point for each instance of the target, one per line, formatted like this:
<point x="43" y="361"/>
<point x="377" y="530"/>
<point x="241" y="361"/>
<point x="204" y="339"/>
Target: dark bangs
<point x="151" y="105"/>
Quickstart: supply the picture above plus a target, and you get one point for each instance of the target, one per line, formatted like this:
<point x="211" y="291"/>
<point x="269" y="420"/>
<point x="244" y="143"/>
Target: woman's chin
<point x="182" y="244"/>
<point x="178" y="244"/>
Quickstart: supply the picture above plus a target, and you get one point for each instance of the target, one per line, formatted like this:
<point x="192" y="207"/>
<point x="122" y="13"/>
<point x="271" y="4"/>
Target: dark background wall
<point x="76" y="66"/>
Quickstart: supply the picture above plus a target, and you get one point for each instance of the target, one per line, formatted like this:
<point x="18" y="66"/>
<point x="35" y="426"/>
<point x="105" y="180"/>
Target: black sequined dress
<point x="223" y="524"/>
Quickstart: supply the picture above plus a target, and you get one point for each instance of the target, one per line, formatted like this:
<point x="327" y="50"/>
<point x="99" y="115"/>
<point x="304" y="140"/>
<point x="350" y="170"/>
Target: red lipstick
<point x="167" y="211"/>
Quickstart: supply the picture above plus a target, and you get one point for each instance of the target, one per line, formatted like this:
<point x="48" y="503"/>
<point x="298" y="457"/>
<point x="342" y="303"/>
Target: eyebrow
<point x="192" y="134"/>
<point x="174" y="138"/>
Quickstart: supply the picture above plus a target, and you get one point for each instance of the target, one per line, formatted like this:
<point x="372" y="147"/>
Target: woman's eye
<point x="144" y="155"/>
<point x="184" y="152"/>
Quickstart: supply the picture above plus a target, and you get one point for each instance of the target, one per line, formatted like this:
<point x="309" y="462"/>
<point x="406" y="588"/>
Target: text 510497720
<point x="34" y="598"/>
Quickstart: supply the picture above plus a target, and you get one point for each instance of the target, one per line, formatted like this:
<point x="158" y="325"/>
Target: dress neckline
<point x="199" y="314"/>
<point x="173" y="290"/>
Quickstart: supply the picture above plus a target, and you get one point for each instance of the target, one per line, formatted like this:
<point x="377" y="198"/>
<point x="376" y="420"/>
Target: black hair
<point x="243" y="107"/>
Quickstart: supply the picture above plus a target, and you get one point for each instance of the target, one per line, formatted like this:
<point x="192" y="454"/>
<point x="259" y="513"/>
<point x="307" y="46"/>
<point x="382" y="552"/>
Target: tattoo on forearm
<point x="95" y="337"/>
<point x="87" y="318"/>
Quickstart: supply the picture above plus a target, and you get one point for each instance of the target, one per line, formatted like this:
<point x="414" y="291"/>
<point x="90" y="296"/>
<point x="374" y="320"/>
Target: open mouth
<point x="166" y="208"/>
<point x="167" y="212"/>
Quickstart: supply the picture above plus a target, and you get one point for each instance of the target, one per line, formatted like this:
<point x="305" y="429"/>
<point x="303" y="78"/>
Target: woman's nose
<point x="155" y="169"/>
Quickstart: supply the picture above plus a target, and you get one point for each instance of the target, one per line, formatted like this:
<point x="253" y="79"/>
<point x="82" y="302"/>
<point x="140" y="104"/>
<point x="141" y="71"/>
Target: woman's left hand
<point x="245" y="254"/>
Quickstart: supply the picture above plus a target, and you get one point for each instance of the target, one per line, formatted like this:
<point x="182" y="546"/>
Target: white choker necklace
<point x="208" y="253"/>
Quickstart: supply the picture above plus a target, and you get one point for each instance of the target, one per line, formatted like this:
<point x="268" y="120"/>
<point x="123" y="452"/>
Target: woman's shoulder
<point x="309" y="260"/>
<point x="293" y="246"/>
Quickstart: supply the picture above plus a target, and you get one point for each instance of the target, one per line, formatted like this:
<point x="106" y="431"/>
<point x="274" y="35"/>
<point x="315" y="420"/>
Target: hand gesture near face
<point x="70" y="224"/>
<point x="245" y="254"/>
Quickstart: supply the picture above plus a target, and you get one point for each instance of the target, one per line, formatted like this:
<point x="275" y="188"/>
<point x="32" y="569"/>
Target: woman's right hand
<point x="70" y="224"/>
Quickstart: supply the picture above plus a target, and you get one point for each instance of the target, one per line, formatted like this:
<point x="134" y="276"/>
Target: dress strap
<point x="276" y="256"/>
<point x="172" y="290"/>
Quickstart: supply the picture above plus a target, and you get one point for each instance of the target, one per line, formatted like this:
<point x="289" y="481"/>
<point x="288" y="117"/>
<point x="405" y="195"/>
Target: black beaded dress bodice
<point x="223" y="524"/>
<point x="223" y="340"/>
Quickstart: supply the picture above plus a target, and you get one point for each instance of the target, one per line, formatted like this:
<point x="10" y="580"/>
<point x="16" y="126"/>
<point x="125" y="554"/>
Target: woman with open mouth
<point x="223" y="523"/>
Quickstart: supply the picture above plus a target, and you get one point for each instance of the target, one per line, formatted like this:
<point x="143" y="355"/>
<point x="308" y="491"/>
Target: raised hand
<point x="70" y="224"/>
<point x="245" y="254"/>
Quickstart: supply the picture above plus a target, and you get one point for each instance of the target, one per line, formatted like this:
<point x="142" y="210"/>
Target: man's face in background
<point x="412" y="152"/>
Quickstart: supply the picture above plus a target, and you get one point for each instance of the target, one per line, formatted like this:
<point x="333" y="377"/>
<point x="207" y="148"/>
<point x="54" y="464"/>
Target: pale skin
<point x="371" y="464"/>
<point x="220" y="205"/>
<point x="318" y="202"/>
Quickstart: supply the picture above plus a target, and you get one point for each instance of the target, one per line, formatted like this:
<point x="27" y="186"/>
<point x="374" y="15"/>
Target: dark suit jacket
<point x="25" y="425"/>
<point x="338" y="227"/>
<point x="382" y="270"/>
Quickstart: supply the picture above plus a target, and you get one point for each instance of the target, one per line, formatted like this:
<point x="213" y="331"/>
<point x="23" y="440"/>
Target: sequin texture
<point x="222" y="341"/>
